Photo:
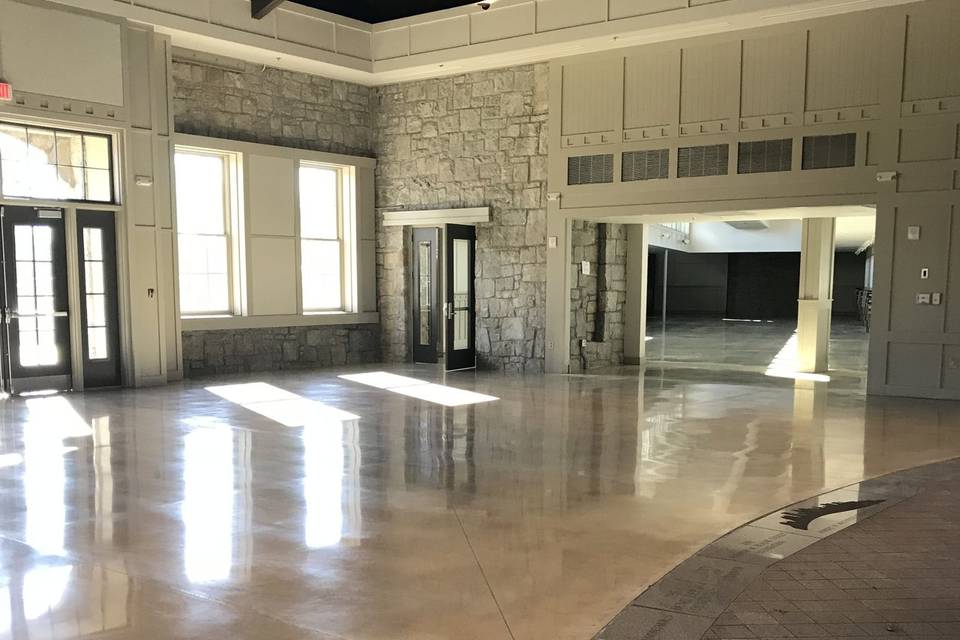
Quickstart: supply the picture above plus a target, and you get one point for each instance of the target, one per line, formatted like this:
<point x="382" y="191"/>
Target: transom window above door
<point x="53" y="164"/>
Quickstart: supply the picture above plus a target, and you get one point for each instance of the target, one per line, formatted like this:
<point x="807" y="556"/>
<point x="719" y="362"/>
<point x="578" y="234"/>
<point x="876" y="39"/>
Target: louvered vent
<point x="765" y="156"/>
<point x="695" y="162"/>
<point x="830" y="152"/>
<point x="646" y="165"/>
<point x="590" y="169"/>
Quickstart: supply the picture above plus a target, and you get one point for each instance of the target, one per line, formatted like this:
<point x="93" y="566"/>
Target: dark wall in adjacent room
<point x="743" y="285"/>
<point x="763" y="285"/>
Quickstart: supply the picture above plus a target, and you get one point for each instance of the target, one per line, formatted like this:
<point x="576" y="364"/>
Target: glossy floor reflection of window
<point x="289" y="409"/>
<point x="208" y="504"/>
<point x="784" y="364"/>
<point x="411" y="387"/>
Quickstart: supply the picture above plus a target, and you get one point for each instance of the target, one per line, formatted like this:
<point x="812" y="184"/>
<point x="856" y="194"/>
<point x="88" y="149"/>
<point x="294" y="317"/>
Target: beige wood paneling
<point x="499" y="24"/>
<point x="933" y="38"/>
<point x="592" y="96"/>
<point x="924" y="142"/>
<point x="273" y="270"/>
<point x="650" y="88"/>
<point x="560" y="14"/>
<point x="629" y="8"/>
<point x="167" y="240"/>
<point x="271" y="192"/>
<point x="909" y="257"/>
<point x="140" y="158"/>
<point x="312" y="32"/>
<point x="145" y="303"/>
<point x="772" y="77"/>
<point x="442" y="34"/>
<point x="710" y="82"/>
<point x="844" y="62"/>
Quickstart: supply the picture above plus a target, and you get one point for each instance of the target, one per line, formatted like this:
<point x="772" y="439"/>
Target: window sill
<point x="208" y="323"/>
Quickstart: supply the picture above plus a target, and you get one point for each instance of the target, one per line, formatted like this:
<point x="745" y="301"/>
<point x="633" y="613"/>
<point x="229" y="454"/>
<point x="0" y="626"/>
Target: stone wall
<point x="597" y="297"/>
<point x="471" y="140"/>
<point x="271" y="106"/>
<point x="246" y="350"/>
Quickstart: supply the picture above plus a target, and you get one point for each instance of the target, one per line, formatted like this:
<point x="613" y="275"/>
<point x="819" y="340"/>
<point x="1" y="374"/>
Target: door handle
<point x="449" y="310"/>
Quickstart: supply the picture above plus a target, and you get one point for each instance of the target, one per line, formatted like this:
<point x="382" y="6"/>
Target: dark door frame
<point x="463" y="358"/>
<point x="105" y="372"/>
<point x="428" y="353"/>
<point x="17" y="378"/>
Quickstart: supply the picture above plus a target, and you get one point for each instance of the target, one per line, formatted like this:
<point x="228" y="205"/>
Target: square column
<point x="635" y="305"/>
<point x="816" y="294"/>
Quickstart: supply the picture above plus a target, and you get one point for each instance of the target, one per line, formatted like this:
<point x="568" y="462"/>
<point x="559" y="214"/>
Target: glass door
<point x="426" y="293"/>
<point x="99" y="315"/>
<point x="35" y="304"/>
<point x="461" y="312"/>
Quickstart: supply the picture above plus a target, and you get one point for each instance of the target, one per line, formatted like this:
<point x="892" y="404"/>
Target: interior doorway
<point x="729" y="295"/>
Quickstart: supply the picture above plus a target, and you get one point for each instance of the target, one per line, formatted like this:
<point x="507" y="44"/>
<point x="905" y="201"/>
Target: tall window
<point x="321" y="243"/>
<point x="52" y="164"/>
<point x="204" y="214"/>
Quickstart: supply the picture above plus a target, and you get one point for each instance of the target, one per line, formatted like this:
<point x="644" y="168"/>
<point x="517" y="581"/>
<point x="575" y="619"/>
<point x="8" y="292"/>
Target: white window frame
<point x="357" y="238"/>
<point x="233" y="229"/>
<point x="342" y="237"/>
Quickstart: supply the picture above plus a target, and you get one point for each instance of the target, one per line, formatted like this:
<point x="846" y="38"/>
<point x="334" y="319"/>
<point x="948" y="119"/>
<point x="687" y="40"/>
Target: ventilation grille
<point x="830" y="152"/>
<point x="695" y="162"/>
<point x="646" y="165"/>
<point x="765" y="156"/>
<point x="590" y="169"/>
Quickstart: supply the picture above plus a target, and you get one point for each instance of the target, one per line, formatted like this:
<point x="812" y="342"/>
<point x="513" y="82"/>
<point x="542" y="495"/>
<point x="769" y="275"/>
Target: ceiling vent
<point x="646" y="165"/>
<point x="830" y="152"/>
<point x="765" y="156"/>
<point x="748" y="225"/>
<point x="590" y="169"/>
<point x="696" y="162"/>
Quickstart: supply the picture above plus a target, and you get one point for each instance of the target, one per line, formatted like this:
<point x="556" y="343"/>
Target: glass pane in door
<point x="461" y="294"/>
<point x="95" y="299"/>
<point x="425" y="290"/>
<point x="35" y="301"/>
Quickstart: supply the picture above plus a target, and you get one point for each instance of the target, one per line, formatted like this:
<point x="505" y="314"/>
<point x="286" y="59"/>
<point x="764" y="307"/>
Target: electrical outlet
<point x="935" y="298"/>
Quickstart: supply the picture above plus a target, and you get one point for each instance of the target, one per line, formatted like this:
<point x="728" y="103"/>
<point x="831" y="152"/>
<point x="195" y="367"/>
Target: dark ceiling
<point x="381" y="10"/>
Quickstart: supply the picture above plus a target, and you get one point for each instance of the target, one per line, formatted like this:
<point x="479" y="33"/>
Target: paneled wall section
<point x="886" y="77"/>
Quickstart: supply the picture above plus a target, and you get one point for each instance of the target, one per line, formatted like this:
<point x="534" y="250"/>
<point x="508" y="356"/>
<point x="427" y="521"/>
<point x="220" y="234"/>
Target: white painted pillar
<point x="816" y="294"/>
<point x="635" y="305"/>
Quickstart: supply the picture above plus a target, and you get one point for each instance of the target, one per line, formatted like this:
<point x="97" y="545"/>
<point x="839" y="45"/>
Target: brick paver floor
<point x="894" y="575"/>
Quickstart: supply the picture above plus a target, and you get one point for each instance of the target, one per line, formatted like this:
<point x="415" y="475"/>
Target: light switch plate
<point x="913" y="232"/>
<point x="552" y="242"/>
<point x="923" y="298"/>
<point x="585" y="267"/>
<point x="935" y="298"/>
<point x="924" y="273"/>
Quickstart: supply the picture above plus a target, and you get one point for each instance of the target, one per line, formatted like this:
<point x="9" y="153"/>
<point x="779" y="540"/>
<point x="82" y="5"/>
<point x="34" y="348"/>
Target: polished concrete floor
<point x="315" y="506"/>
<point x="751" y="345"/>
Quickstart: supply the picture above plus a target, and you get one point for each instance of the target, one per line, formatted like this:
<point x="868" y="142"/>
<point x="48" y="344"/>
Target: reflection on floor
<point x="313" y="506"/>
<point x="750" y="345"/>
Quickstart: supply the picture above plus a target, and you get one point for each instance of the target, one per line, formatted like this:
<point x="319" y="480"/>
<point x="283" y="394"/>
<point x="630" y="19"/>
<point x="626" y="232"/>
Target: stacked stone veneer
<point x="270" y="106"/>
<point x="471" y="140"/>
<point x="279" y="348"/>
<point x="592" y="294"/>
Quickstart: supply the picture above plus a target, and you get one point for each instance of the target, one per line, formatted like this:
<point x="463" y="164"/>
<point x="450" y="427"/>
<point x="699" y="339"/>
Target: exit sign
<point x="6" y="92"/>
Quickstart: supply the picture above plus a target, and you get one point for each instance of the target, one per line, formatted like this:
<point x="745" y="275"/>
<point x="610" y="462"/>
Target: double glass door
<point x="447" y="327"/>
<point x="36" y="313"/>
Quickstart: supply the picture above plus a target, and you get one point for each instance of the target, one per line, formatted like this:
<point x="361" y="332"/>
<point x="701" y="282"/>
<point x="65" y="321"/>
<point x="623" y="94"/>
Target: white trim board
<point x="436" y="217"/>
